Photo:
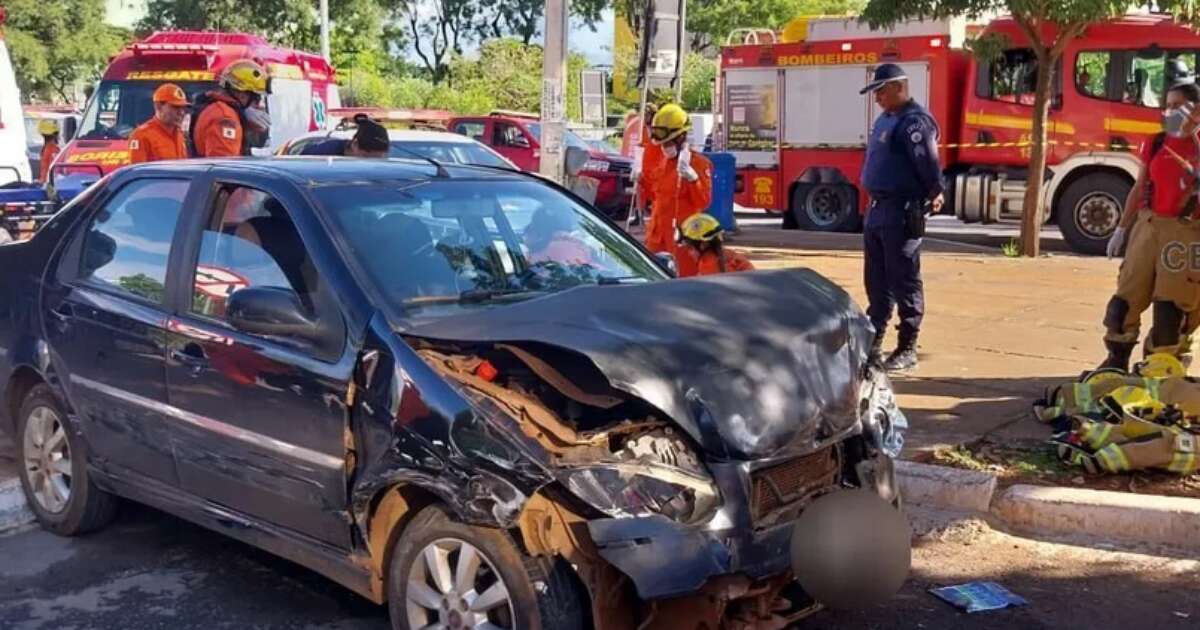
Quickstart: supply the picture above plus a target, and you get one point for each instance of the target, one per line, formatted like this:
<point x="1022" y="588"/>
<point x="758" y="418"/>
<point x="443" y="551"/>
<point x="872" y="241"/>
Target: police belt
<point x="894" y="199"/>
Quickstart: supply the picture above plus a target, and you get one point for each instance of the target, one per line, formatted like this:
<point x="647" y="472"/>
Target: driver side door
<point x="264" y="418"/>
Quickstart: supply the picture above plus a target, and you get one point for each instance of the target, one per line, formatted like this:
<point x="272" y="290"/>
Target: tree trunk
<point x="1032" y="211"/>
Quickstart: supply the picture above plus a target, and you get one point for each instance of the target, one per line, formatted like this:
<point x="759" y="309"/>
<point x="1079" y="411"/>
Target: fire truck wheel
<point x="1088" y="211"/>
<point x="826" y="208"/>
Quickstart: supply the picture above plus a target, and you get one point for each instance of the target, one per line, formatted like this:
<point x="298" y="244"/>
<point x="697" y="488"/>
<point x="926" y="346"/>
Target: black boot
<point x="875" y="353"/>
<point x="904" y="357"/>
<point x="1118" y="355"/>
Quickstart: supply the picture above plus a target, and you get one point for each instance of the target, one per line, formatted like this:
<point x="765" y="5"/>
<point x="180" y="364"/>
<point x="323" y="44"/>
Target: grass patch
<point x="1012" y="248"/>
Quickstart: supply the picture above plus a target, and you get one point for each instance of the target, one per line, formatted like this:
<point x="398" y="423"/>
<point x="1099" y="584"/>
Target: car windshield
<point x="449" y="152"/>
<point x="570" y="137"/>
<point x="118" y="107"/>
<point x="435" y="247"/>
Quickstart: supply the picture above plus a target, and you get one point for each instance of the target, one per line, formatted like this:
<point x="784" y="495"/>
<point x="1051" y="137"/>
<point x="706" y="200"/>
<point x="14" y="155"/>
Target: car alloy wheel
<point x="453" y="585"/>
<point x="47" y="455"/>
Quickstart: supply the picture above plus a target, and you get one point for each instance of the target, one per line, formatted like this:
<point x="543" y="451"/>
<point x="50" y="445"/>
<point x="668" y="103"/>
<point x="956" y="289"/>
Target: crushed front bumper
<point x="666" y="559"/>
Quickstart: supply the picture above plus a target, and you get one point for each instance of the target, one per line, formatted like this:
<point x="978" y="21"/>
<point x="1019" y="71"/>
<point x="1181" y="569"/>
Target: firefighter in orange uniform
<point x="702" y="237"/>
<point x="227" y="122"/>
<point x="161" y="137"/>
<point x="48" y="129"/>
<point x="682" y="185"/>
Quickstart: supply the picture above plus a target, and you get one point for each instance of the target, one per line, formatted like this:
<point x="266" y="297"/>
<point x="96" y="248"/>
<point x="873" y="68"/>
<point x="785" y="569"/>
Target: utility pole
<point x="325" y="30"/>
<point x="554" y="87"/>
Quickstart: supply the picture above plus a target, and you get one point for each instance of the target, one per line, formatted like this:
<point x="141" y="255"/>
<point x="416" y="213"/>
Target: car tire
<point x="826" y="208"/>
<point x="61" y="496"/>
<point x="415" y="599"/>
<point x="1088" y="211"/>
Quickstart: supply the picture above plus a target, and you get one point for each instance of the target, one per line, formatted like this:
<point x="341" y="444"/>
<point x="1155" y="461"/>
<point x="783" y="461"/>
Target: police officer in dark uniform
<point x="904" y="180"/>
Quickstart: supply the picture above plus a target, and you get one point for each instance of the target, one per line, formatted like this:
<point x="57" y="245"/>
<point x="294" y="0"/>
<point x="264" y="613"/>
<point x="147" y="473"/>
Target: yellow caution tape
<point x="1026" y="143"/>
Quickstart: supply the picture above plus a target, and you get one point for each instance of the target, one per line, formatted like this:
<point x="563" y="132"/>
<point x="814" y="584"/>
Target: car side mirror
<point x="70" y="127"/>
<point x="574" y="159"/>
<point x="271" y="311"/>
<point x="668" y="263"/>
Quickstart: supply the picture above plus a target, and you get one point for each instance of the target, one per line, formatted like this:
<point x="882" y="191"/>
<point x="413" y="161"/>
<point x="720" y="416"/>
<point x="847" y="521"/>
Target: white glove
<point x="258" y="118"/>
<point x="1116" y="242"/>
<point x="686" y="172"/>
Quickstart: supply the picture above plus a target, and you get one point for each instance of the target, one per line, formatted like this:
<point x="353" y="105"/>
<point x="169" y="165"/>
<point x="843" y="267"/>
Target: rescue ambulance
<point x="302" y="91"/>
<point x="14" y="163"/>
<point x="792" y="116"/>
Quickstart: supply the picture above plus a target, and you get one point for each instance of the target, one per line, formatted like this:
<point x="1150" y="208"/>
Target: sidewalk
<point x="997" y="330"/>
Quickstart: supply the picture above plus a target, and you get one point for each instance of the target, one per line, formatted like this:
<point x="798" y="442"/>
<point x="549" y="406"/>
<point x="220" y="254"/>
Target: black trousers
<point x="892" y="274"/>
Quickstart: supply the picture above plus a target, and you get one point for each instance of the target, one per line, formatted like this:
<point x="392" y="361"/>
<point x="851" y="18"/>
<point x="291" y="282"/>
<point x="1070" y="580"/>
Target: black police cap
<point x="885" y="73"/>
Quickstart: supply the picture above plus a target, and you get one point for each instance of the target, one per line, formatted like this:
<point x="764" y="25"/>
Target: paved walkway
<point x="997" y="330"/>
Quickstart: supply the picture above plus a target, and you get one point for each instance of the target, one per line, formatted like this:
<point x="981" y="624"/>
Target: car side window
<point x="128" y="241"/>
<point x="506" y="135"/>
<point x="250" y="241"/>
<point x="472" y="130"/>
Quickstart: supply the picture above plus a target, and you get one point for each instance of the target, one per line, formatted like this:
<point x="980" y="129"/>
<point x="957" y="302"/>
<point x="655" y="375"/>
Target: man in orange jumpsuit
<point x="702" y="237"/>
<point x="682" y="185"/>
<point x="161" y="137"/>
<point x="48" y="129"/>
<point x="227" y="122"/>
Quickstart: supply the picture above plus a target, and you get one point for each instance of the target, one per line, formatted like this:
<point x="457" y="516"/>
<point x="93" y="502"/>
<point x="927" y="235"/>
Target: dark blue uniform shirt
<point x="902" y="163"/>
<point x="329" y="146"/>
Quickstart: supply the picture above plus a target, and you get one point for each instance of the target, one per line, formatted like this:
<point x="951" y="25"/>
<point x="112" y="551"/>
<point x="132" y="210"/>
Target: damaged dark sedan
<point x="458" y="391"/>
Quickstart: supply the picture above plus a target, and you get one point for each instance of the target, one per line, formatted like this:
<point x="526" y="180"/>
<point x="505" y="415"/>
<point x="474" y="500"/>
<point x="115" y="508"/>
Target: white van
<point x="12" y="125"/>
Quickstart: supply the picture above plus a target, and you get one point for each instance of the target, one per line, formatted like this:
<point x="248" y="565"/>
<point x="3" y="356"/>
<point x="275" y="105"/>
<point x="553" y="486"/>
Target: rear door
<point x="264" y="417"/>
<point x="106" y="323"/>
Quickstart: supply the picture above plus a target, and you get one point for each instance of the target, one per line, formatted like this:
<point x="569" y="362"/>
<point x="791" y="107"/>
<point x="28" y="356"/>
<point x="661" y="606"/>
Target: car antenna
<point x="441" y="170"/>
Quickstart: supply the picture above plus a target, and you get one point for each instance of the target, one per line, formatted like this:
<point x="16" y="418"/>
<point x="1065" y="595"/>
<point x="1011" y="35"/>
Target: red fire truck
<point x="302" y="91"/>
<point x="792" y="115"/>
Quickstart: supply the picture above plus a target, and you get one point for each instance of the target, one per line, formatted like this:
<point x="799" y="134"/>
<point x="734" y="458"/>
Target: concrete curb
<point x="944" y="487"/>
<point x="14" y="512"/>
<point x="1115" y="516"/>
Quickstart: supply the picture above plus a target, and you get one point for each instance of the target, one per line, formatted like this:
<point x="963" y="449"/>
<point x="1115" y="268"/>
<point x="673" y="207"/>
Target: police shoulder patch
<point x="916" y="137"/>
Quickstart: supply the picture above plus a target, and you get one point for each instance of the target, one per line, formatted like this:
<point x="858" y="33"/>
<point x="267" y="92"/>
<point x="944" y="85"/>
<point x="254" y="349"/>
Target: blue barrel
<point x="724" y="175"/>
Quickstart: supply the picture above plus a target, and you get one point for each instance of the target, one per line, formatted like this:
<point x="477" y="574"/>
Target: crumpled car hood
<point x="750" y="365"/>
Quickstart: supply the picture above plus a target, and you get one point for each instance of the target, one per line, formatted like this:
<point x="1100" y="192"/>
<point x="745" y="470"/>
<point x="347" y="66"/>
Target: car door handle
<point x="62" y="316"/>
<point x="192" y="357"/>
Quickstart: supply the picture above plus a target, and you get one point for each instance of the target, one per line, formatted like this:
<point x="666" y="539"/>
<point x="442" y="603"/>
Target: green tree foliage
<point x="710" y="22"/>
<point x="56" y="43"/>
<point x="504" y="74"/>
<point x="286" y="22"/>
<point x="1048" y="27"/>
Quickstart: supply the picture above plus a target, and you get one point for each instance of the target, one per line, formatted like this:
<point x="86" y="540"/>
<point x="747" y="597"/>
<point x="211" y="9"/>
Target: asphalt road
<point x="151" y="571"/>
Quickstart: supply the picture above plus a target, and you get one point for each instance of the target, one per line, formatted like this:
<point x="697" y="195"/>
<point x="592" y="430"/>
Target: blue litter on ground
<point x="978" y="596"/>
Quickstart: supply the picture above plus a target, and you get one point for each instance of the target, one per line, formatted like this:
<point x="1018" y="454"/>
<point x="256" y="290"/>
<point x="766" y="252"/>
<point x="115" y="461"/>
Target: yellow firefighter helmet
<point x="246" y="76"/>
<point x="669" y="123"/>
<point x="47" y="127"/>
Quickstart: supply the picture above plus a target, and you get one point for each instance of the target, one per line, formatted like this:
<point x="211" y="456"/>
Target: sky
<point x="597" y="46"/>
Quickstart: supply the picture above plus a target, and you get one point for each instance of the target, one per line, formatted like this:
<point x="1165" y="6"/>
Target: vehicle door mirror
<point x="70" y="126"/>
<point x="668" y="263"/>
<point x="575" y="158"/>
<point x="271" y="311"/>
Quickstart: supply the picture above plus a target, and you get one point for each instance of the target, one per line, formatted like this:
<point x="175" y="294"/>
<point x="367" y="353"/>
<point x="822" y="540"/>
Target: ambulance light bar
<point x="186" y="48"/>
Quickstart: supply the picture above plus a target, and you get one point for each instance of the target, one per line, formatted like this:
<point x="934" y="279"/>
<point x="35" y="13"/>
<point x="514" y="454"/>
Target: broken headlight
<point x="883" y="422"/>
<point x="642" y="489"/>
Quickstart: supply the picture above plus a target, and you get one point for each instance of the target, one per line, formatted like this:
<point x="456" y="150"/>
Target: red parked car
<point x="517" y="137"/>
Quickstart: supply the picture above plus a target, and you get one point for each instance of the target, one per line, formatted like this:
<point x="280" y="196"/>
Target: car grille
<point x="779" y="492"/>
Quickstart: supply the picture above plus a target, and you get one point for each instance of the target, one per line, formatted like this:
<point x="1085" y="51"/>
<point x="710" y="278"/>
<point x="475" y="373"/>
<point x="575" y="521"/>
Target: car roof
<point x="398" y="135"/>
<point x="315" y="171"/>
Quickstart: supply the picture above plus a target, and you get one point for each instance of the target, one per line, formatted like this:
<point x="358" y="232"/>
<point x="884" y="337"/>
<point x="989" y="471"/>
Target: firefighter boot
<point x="875" y="353"/>
<point x="1118" y="355"/>
<point x="904" y="357"/>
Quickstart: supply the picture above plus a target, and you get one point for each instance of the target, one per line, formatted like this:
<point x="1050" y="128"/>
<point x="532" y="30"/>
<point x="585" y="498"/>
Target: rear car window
<point x="128" y="242"/>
